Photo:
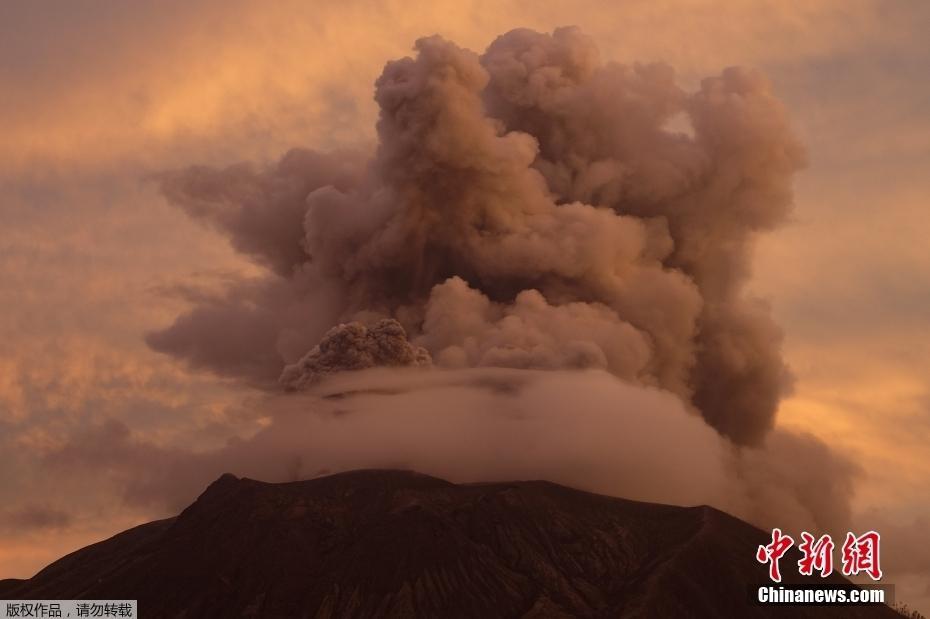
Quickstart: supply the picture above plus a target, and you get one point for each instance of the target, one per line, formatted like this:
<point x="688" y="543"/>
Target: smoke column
<point x="533" y="208"/>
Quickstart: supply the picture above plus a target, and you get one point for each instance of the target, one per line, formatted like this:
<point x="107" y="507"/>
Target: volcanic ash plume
<point x="354" y="347"/>
<point x="532" y="207"/>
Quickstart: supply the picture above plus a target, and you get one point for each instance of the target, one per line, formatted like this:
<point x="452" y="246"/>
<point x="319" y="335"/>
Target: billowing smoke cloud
<point x="528" y="208"/>
<point x="355" y="347"/>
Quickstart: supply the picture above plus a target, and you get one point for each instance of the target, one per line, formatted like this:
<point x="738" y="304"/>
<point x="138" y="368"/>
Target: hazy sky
<point x="95" y="97"/>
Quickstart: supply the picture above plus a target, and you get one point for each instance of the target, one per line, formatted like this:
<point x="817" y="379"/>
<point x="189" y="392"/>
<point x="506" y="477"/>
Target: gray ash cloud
<point x="531" y="207"/>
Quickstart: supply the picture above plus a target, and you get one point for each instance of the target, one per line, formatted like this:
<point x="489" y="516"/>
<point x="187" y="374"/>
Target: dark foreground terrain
<point x="399" y="544"/>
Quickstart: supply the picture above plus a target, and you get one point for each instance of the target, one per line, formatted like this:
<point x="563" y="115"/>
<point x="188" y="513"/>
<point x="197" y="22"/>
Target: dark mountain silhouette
<point x="400" y="544"/>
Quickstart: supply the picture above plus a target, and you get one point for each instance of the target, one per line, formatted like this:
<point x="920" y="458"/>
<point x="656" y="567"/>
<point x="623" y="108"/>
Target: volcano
<point x="384" y="543"/>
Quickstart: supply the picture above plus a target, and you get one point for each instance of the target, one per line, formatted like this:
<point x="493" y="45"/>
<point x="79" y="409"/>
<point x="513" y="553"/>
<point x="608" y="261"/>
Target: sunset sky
<point x="98" y="98"/>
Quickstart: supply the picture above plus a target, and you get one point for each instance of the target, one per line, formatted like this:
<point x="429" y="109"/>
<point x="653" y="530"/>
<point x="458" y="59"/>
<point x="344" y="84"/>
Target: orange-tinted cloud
<point x="95" y="99"/>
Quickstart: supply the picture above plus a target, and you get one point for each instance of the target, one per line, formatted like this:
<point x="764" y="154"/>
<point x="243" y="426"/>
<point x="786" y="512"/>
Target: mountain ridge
<point x="383" y="543"/>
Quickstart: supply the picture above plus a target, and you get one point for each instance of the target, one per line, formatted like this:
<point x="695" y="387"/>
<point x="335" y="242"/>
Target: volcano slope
<point x="380" y="543"/>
